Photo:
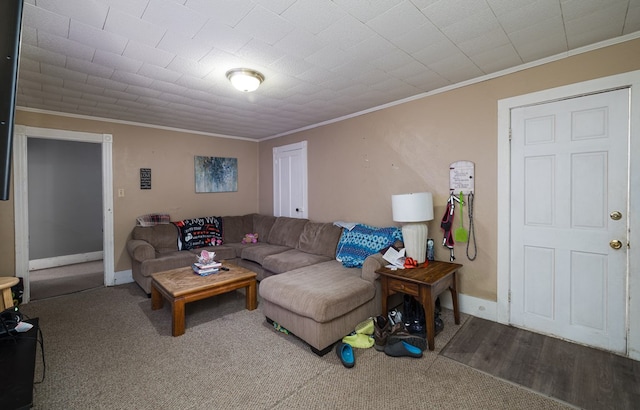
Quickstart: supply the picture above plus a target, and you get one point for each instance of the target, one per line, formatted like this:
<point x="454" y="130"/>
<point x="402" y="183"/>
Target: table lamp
<point x="413" y="210"/>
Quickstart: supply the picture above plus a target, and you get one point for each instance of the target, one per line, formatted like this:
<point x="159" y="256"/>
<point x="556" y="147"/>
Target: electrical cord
<point x="8" y="333"/>
<point x="9" y="324"/>
<point x="40" y="340"/>
<point x="472" y="231"/>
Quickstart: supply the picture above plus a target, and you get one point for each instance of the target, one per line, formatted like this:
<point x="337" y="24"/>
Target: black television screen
<point x="10" y="25"/>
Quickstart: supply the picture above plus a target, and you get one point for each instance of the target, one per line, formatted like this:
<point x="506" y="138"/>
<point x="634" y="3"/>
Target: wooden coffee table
<point x="181" y="286"/>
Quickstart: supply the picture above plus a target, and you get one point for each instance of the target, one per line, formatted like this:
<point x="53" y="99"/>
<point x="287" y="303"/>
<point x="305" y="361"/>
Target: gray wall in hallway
<point x="65" y="197"/>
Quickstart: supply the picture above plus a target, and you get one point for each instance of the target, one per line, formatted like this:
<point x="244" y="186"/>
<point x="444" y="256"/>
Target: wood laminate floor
<point x="585" y="377"/>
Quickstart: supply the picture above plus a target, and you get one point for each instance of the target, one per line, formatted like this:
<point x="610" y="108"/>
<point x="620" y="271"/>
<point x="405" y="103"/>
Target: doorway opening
<point x="23" y="208"/>
<point x="65" y="216"/>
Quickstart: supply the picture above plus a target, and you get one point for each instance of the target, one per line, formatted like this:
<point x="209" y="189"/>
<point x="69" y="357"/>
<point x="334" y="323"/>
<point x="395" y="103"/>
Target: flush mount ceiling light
<point x="245" y="79"/>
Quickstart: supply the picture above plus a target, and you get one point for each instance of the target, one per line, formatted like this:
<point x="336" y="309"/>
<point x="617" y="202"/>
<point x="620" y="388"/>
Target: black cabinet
<point x="17" y="368"/>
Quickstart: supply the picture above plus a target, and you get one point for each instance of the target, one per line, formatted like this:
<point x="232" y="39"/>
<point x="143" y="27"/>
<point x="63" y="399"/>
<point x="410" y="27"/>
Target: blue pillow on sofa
<point x="364" y="240"/>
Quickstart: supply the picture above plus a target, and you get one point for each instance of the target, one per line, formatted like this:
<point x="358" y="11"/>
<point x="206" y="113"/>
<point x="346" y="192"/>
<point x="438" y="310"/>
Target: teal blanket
<point x="364" y="240"/>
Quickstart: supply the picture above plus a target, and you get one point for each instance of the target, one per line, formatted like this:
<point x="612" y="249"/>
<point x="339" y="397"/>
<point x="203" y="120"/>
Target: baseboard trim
<point x="54" y="262"/>
<point x="482" y="308"/>
<point x="122" y="277"/>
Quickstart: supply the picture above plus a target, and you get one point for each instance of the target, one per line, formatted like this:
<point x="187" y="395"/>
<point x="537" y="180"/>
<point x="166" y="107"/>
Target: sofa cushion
<point x="164" y="238"/>
<point x="321" y="292"/>
<point x="237" y="247"/>
<point x="223" y="252"/>
<point x="167" y="261"/>
<point x="320" y="239"/>
<point x="262" y="226"/>
<point x="286" y="231"/>
<point x="257" y="252"/>
<point x="290" y="260"/>
<point x="235" y="227"/>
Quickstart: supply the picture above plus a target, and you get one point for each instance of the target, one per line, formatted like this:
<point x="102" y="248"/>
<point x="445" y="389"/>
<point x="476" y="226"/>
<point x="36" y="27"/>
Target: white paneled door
<point x="569" y="193"/>
<point x="290" y="180"/>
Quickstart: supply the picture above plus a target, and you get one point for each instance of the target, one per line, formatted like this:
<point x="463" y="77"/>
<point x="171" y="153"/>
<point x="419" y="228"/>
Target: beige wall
<point x="170" y="155"/>
<point x="354" y="165"/>
<point x="7" y="248"/>
<point x="357" y="164"/>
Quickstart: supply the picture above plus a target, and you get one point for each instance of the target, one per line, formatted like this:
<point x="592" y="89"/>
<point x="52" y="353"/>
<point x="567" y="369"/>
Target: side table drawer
<point x="404" y="287"/>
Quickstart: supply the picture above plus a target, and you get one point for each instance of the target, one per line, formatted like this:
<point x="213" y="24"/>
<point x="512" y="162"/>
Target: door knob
<point x="615" y="244"/>
<point x="615" y="215"/>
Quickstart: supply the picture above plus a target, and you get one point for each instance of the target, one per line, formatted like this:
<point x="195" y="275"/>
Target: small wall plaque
<point x="145" y="178"/>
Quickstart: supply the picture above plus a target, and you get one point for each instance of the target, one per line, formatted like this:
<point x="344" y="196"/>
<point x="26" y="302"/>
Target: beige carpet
<point x="106" y="349"/>
<point x="63" y="280"/>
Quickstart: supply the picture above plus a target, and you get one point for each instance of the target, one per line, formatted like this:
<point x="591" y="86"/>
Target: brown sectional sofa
<point x="302" y="285"/>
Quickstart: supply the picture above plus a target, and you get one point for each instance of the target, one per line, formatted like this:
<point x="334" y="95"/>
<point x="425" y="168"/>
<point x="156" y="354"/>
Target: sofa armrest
<point x="140" y="250"/>
<point x="371" y="264"/>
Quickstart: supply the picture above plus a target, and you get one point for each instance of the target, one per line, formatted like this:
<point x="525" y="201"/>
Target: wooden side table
<point x="5" y="287"/>
<point x="424" y="284"/>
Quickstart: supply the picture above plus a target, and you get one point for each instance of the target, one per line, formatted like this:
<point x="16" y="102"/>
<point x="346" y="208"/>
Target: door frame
<point x="627" y="80"/>
<point x="20" y="189"/>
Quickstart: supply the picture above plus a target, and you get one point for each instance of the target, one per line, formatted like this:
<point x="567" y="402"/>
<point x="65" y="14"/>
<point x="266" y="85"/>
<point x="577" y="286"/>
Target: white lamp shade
<point x="415" y="207"/>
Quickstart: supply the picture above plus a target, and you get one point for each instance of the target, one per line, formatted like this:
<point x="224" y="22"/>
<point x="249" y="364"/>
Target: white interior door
<point x="569" y="177"/>
<point x="290" y="180"/>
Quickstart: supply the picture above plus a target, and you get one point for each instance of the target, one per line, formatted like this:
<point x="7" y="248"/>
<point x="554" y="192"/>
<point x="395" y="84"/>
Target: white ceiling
<point x="163" y="62"/>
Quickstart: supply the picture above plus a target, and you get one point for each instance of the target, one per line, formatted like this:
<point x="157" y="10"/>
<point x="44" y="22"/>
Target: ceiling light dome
<point x="245" y="79"/>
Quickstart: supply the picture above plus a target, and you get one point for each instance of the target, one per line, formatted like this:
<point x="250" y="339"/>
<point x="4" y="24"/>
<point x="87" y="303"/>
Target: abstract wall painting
<point x="216" y="174"/>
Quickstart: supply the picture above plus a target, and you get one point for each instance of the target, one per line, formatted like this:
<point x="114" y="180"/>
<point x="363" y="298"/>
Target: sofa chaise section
<point x="323" y="302"/>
